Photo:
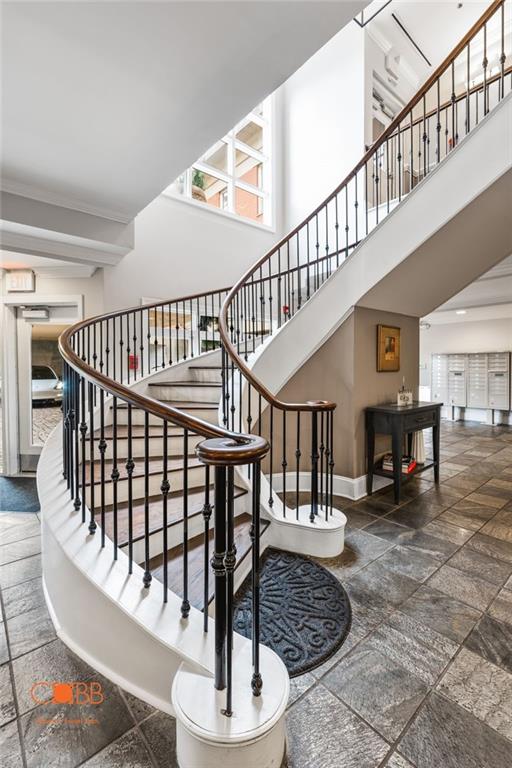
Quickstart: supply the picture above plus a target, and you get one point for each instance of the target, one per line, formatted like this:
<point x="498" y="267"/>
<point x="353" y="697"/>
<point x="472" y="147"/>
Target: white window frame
<point x="265" y="195"/>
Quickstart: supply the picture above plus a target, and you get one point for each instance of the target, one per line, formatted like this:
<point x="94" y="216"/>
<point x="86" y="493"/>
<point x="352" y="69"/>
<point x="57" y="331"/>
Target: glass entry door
<point x="39" y="385"/>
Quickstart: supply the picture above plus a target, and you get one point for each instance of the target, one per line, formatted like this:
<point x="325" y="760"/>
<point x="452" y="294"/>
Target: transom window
<point x="235" y="175"/>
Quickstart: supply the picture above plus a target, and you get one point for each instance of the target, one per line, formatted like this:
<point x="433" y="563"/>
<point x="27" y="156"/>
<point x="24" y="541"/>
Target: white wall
<point x="181" y="248"/>
<point x="323" y="123"/>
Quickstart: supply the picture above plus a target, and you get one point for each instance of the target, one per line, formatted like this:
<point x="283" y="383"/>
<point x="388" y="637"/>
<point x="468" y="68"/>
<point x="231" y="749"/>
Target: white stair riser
<point x="205" y="375"/>
<point x="175" y="533"/>
<point x="187" y="394"/>
<point x="195" y="480"/>
<point x="207" y="414"/>
<point x="175" y="447"/>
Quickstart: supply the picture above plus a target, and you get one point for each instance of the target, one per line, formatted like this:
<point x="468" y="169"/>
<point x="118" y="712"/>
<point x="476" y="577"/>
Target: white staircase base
<point x="253" y="737"/>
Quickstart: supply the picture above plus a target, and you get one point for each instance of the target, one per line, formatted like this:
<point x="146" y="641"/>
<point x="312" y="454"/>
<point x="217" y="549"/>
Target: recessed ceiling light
<point x="460" y="311"/>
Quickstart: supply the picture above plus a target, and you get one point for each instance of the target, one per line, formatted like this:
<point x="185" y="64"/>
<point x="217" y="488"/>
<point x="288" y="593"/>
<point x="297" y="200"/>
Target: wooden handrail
<point x="393" y="126"/>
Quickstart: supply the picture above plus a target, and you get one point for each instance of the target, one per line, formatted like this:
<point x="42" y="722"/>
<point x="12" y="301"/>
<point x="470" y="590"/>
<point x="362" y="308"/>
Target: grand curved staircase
<point x="180" y="462"/>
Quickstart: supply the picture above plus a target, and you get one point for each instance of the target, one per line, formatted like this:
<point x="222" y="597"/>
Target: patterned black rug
<point x="305" y="612"/>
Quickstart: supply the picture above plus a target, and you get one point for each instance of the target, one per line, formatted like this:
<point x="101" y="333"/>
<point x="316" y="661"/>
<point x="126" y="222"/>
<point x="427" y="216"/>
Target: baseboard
<point x="353" y="488"/>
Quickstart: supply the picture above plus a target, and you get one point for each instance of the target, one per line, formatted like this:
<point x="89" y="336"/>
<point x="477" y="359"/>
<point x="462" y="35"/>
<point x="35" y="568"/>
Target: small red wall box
<point x="133" y="362"/>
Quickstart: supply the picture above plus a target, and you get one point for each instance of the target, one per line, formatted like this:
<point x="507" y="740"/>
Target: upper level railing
<point x="469" y="83"/>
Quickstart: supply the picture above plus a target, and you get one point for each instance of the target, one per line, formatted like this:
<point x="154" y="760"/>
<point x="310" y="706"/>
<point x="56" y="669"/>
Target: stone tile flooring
<point x="424" y="679"/>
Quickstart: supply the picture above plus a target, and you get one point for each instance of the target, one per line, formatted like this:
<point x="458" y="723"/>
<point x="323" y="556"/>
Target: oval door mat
<point x="305" y="612"/>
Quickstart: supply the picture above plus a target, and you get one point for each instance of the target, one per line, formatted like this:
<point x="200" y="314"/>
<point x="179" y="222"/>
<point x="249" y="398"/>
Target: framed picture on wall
<point x="388" y="348"/>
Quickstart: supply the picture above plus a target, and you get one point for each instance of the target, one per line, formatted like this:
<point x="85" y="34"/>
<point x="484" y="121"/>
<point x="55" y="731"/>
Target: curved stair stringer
<point x="451" y="243"/>
<point x="108" y="619"/>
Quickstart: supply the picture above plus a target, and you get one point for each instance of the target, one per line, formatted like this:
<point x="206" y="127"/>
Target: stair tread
<point x="184" y="384"/>
<point x="138" y="431"/>
<point x="206" y="367"/>
<point x="174" y="512"/>
<point x="155" y="467"/>
<point x="196" y="562"/>
<point x="180" y="405"/>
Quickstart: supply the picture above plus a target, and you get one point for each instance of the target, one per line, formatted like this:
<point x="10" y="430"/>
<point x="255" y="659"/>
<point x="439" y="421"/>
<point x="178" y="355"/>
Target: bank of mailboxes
<point x="479" y="380"/>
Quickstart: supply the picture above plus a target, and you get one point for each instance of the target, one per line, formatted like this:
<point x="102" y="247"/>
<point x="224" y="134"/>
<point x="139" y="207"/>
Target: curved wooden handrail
<point x="393" y="127"/>
<point x="246" y="447"/>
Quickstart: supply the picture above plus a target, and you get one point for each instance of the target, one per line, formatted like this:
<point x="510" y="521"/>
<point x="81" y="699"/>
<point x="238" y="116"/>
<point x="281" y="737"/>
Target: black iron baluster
<point x="308" y="262"/>
<point x="65" y="425"/>
<point x="121" y="345"/>
<point x="337" y="225"/>
<point x="503" y="56"/>
<point x="366" y="195"/>
<point x="454" y="104"/>
<point x="411" y="156"/>
<point x="83" y="436"/>
<point x="317" y="252"/>
<point x="141" y="346"/>
<point x="328" y="261"/>
<point x="356" y="207"/>
<point x="130" y="464"/>
<point x="92" y="522"/>
<point x="256" y="682"/>
<point x="297" y="466"/>
<point x="165" y="488"/>
<point x="102" y="446"/>
<point x="77" y="503"/>
<point x="325" y="497"/>
<point x="279" y="294"/>
<point x="399" y="160"/>
<point x="485" y="63"/>
<point x="387" y="176"/>
<point x="271" y="467"/>
<point x="128" y="348"/>
<point x="207" y="513"/>
<point x="162" y="335"/>
<point x="314" y="466"/>
<point x="377" y="177"/>
<point x="331" y="459"/>
<point x="148" y="339"/>
<point x="185" y="605"/>
<point x="229" y="564"/>
<point x="114" y="475"/>
<point x="284" y="463"/>
<point x="425" y="137"/>
<point x="219" y="571"/>
<point x="322" y="451"/>
<point x="347" y="227"/>
<point x="135" y="348"/>
<point x="146" y="580"/>
<point x="225" y="390"/>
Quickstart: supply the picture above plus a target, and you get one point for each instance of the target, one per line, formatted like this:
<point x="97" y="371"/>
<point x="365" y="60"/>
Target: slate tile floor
<point x="424" y="679"/>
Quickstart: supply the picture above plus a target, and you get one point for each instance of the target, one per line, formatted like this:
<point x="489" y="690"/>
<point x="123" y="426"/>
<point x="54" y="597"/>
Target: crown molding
<point x="33" y="192"/>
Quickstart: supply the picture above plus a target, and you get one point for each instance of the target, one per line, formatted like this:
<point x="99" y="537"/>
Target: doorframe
<point x="10" y="391"/>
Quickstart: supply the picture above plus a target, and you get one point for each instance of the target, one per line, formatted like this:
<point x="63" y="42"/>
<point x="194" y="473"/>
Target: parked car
<point x="46" y="385"/>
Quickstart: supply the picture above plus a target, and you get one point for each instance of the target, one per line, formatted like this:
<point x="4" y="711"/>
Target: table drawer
<point x="420" y="420"/>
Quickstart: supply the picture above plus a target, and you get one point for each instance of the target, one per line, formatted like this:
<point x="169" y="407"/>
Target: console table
<point x="397" y="421"/>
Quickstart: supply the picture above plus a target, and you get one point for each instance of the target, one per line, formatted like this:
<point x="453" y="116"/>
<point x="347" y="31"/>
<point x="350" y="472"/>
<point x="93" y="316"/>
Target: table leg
<point x="397" y="443"/>
<point x="435" y="442"/>
<point x="409" y="443"/>
<point x="370" y="453"/>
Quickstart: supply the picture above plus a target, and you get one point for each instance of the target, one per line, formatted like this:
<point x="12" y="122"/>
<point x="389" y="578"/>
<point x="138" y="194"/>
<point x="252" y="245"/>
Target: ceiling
<point x="435" y="26"/>
<point x="105" y="103"/>
<point x="487" y="298"/>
